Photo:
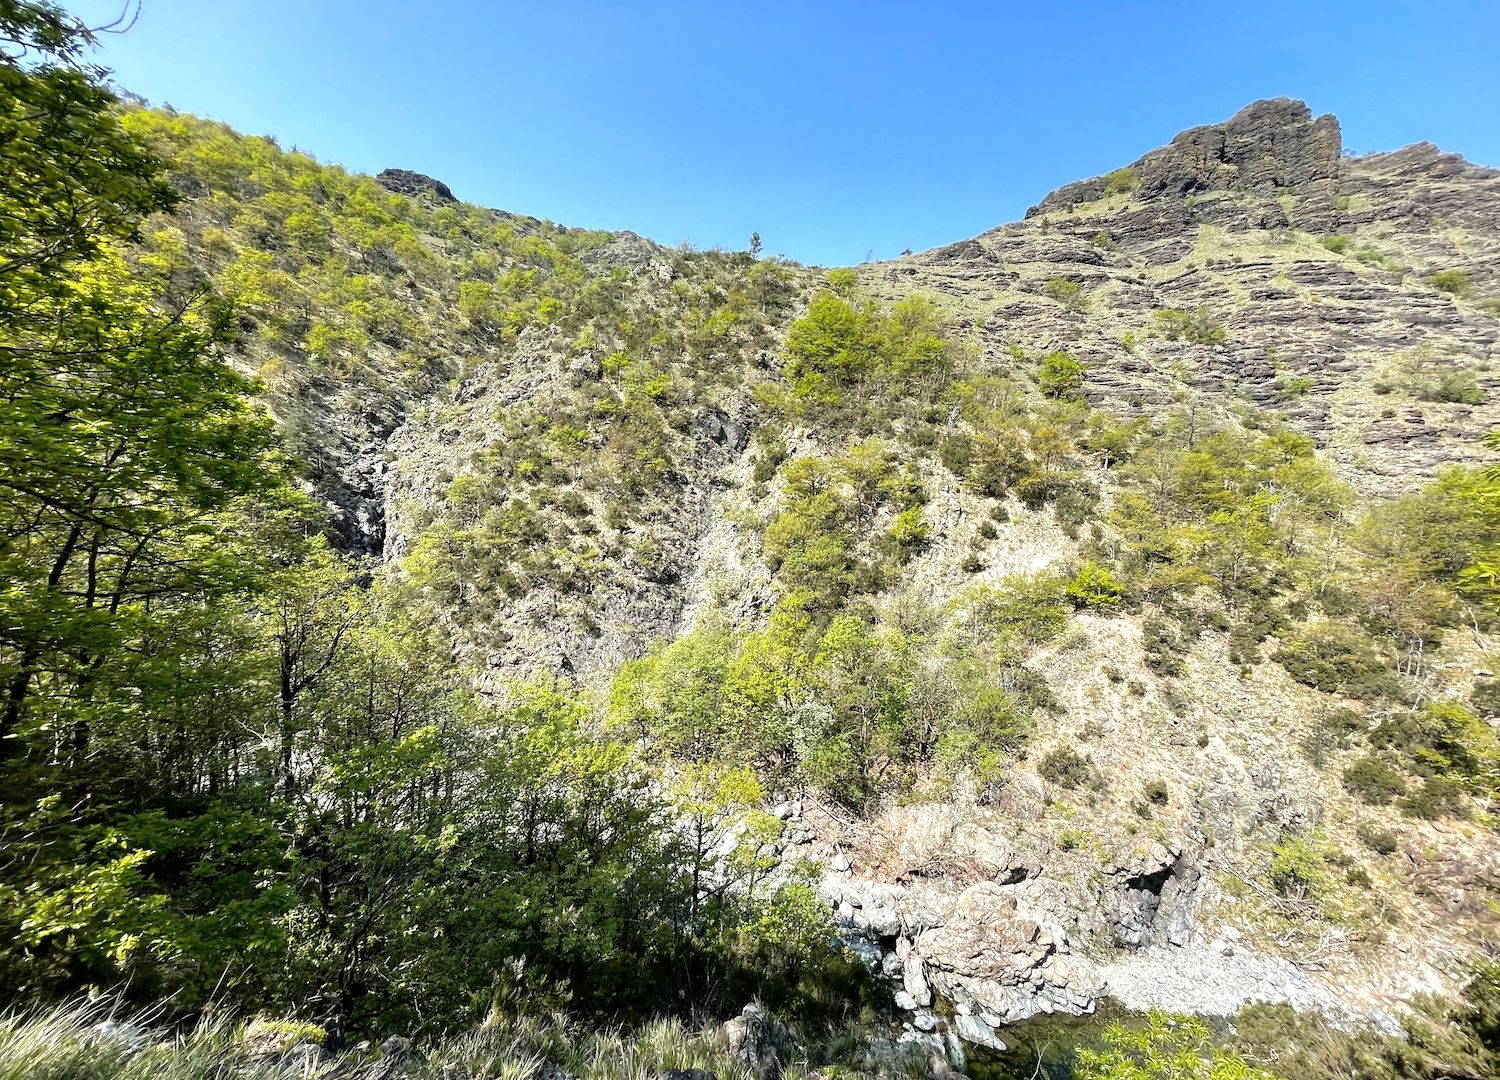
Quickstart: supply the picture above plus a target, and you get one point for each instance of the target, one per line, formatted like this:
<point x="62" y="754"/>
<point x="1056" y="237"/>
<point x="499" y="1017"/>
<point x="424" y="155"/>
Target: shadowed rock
<point x="406" y="182"/>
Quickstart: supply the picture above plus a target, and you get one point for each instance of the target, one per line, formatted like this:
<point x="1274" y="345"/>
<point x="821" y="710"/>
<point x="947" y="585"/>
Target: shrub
<point x="1155" y="792"/>
<point x="843" y="280"/>
<point x="1455" y="385"/>
<point x="1334" y="658"/>
<point x="1093" y="587"/>
<point x="1167" y="1048"/>
<point x="1377" y="838"/>
<point x="987" y="530"/>
<point x="1331" y="732"/>
<point x="1199" y="326"/>
<point x="1455" y="282"/>
<point x="1068" y="293"/>
<point x="956" y="452"/>
<point x="1120" y="181"/>
<point x="1438" y="797"/>
<point x="1337" y="243"/>
<point x="1486" y="697"/>
<point x="1066" y="768"/>
<point x="1373" y="780"/>
<point x="1297" y="869"/>
<point x="1163" y="647"/>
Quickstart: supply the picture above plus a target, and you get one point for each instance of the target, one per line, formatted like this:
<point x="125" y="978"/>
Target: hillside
<point x="579" y="487"/>
<point x="419" y="614"/>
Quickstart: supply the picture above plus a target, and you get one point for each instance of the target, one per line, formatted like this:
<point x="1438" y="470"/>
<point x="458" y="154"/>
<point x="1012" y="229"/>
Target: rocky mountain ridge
<point x="1234" y="220"/>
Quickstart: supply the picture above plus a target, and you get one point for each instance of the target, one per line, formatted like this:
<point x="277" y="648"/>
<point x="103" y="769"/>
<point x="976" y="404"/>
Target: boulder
<point x="973" y="1030"/>
<point x="914" y="981"/>
<point x="751" y="1039"/>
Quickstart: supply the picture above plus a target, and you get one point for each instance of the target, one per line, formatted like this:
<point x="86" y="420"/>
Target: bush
<point x="1068" y="293"/>
<point x="1297" y="869"/>
<point x="1199" y="326"/>
<point x="1455" y="282"/>
<point x="1066" y="768"/>
<point x="1438" y="797"/>
<point x="1155" y="792"/>
<point x="1337" y="243"/>
<point x="1164" y="647"/>
<point x="1454" y="385"/>
<point x="1093" y="587"/>
<point x="1377" y="838"/>
<point x="1335" y="658"/>
<point x="1120" y="181"/>
<point x="1331" y="732"/>
<point x="1373" y="781"/>
<point x="1167" y="1048"/>
<point x="1061" y="376"/>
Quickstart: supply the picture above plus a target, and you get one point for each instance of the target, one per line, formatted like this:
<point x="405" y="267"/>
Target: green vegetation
<point x="837" y="703"/>
<point x="848" y="350"/>
<point x="1060" y="376"/>
<point x="89" y="1043"/>
<point x="1460" y="1038"/>
<point x="1066" y="768"/>
<point x="1120" y="181"/>
<point x="1198" y="327"/>
<point x="1068" y="293"/>
<point x="245" y="766"/>
<point x="1456" y="282"/>
<point x="1428" y="377"/>
<point x="1165" y="1048"/>
<point x="240" y="764"/>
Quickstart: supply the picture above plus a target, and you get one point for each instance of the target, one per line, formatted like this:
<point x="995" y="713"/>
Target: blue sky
<point x="834" y="129"/>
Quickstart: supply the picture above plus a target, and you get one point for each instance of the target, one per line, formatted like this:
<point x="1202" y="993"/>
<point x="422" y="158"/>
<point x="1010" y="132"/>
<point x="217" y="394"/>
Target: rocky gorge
<point x="1248" y="268"/>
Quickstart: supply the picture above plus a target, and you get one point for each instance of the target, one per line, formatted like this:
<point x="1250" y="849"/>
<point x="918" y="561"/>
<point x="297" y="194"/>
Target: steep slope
<point x="1010" y="563"/>
<point x="1326" y="275"/>
<point x="1246" y="267"/>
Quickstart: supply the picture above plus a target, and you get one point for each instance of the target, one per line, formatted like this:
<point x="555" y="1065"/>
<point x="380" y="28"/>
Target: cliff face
<point x="1262" y="151"/>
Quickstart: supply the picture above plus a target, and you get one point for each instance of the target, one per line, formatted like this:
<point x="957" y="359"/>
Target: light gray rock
<point x="882" y="922"/>
<point x="972" y="1029"/>
<point x="915" y="981"/>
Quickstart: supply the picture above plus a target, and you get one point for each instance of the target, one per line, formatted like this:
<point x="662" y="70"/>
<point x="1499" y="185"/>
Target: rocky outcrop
<point x="993" y="957"/>
<point x="1266" y="147"/>
<point x="1151" y="893"/>
<point x="406" y="182"/>
<point x="1318" y="275"/>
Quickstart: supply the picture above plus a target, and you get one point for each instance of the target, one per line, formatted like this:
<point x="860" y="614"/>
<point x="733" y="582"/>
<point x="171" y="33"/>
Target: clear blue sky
<point x="835" y="129"/>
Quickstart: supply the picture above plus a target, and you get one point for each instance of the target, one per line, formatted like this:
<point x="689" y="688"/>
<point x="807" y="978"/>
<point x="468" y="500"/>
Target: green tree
<point x="1061" y="376"/>
<point x="1164" y="1048"/>
<point x="124" y="437"/>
